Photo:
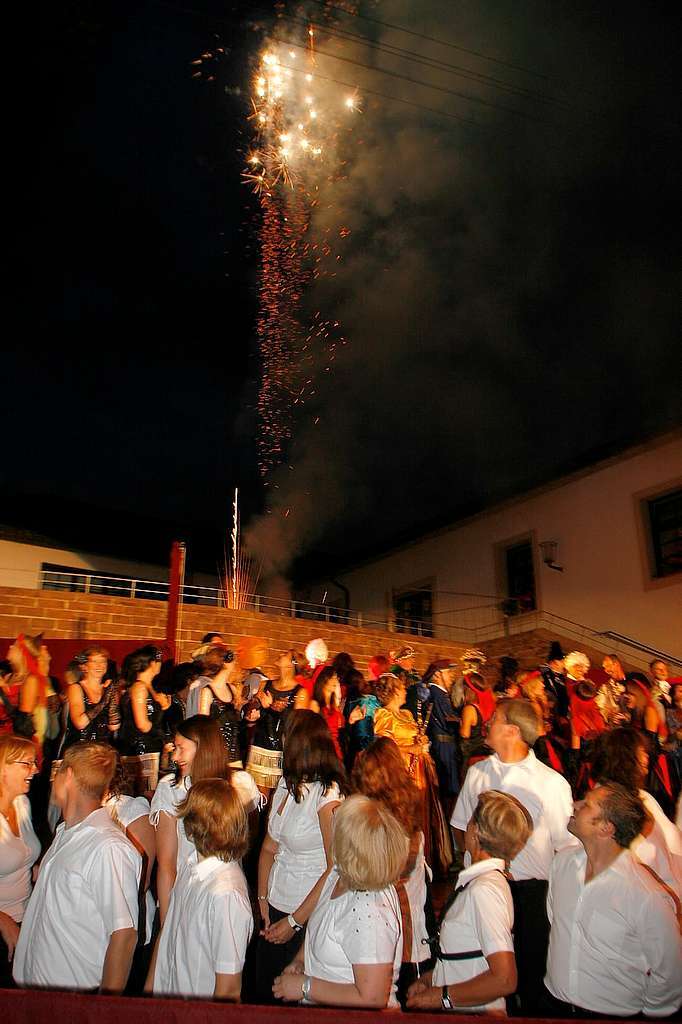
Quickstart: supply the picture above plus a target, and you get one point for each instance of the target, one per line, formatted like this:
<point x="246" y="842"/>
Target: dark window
<point x="414" y="611"/>
<point x="665" y="519"/>
<point x="61" y="577"/>
<point x="84" y="581"/>
<point x="521" y="576"/>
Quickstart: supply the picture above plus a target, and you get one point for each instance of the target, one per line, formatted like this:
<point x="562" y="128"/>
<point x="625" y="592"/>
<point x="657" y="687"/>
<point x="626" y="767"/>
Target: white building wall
<point x="20" y="566"/>
<point x="596" y="518"/>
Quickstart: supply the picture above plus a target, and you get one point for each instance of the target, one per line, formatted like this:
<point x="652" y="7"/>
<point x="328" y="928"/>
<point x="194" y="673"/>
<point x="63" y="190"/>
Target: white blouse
<point x="661" y="850"/>
<point x="300" y="858"/>
<point x="125" y="810"/>
<point x="481" y="918"/>
<point x="168" y="797"/>
<point x="18" y="854"/>
<point x="415" y="888"/>
<point x="354" y="928"/>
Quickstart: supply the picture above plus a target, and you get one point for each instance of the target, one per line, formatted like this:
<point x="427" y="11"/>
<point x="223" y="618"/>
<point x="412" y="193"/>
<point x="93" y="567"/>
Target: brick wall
<point x="83" y="617"/>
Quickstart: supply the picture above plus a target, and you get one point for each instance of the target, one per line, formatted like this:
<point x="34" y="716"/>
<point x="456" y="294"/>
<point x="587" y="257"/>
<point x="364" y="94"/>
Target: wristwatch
<point x="305" y="988"/>
<point x="446" y="1002"/>
<point x="294" y="923"/>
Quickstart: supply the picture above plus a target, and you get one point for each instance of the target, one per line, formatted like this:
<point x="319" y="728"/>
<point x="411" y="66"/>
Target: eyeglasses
<point x="28" y="764"/>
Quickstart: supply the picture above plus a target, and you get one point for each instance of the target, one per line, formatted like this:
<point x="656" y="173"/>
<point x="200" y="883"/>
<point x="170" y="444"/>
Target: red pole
<point x="177" y="573"/>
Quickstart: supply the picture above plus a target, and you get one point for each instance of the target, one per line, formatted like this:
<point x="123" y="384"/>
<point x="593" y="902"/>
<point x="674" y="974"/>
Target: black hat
<point x="555" y="652"/>
<point x="437" y="666"/>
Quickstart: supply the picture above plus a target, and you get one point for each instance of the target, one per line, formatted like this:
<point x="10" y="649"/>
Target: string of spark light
<point x="241" y="571"/>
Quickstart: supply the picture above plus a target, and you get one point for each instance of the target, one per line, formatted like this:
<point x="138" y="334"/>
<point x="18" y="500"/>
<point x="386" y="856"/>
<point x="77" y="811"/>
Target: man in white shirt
<point x="546" y="795"/>
<point x="615" y="946"/>
<point x="80" y="927"/>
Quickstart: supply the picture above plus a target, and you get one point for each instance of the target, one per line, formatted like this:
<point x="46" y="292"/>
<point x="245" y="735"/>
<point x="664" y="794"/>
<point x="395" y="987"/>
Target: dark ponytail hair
<point x="138" y="661"/>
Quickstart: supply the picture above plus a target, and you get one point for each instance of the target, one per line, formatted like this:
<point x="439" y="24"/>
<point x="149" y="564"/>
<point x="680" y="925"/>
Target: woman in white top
<point x="475" y="964"/>
<point x="622" y="755"/>
<point x="19" y="845"/>
<point x="295" y="857"/>
<point x="131" y="813"/>
<point x="353" y="943"/>
<point x="202" y="945"/>
<point x="199" y="754"/>
<point x="380" y="773"/>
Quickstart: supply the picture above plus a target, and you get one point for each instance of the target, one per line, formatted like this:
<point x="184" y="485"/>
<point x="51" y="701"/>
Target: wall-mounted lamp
<point x="549" y="553"/>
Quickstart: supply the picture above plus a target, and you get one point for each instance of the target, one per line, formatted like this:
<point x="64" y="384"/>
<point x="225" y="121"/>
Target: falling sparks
<point x="297" y="125"/>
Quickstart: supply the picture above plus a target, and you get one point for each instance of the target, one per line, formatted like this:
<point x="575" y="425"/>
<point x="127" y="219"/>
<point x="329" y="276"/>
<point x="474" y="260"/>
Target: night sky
<point x="509" y="289"/>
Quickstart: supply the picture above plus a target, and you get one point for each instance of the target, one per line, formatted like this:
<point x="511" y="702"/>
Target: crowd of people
<point x="499" y="839"/>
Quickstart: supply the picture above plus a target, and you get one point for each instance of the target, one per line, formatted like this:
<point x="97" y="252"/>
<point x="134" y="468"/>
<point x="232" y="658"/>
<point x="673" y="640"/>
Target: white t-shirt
<point x="354" y="928"/>
<point x="543" y="792"/>
<point x="661" y="850"/>
<point x="86" y="890"/>
<point x="300" y="858"/>
<point x="614" y="945"/>
<point x="18" y="854"/>
<point x="482" y="917"/>
<point x="207" y="929"/>
<point x="168" y="797"/>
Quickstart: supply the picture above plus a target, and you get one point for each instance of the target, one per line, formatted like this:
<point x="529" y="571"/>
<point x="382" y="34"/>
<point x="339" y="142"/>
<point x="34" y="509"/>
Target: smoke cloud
<point x="505" y="288"/>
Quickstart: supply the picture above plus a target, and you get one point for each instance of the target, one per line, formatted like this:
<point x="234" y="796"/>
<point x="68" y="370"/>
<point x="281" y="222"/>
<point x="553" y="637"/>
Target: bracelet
<point x="263" y="899"/>
<point x="446" y="1002"/>
<point x="305" y="988"/>
<point x="294" y="923"/>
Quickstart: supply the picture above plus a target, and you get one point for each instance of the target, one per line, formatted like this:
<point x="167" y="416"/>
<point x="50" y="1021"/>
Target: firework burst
<point x="298" y="124"/>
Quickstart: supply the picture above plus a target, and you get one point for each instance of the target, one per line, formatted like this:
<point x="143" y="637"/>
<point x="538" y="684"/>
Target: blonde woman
<point x="475" y="964"/>
<point x="19" y="845"/>
<point x="89" y="700"/>
<point x="353" y="944"/>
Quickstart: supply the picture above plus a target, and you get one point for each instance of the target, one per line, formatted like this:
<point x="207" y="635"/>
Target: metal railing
<point x="190" y="594"/>
<point x="468" y="623"/>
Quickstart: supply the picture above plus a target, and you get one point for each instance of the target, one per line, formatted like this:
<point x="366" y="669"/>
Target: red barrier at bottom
<point x="42" y="1007"/>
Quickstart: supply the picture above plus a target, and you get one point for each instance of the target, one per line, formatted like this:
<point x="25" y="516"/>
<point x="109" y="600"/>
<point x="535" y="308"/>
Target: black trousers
<point x="553" y="1007"/>
<point x="271" y="960"/>
<point x="6" y="980"/>
<point x="531" y="940"/>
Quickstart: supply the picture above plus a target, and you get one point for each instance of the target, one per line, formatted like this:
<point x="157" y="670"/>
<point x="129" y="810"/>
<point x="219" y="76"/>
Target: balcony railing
<point x="462" y="622"/>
